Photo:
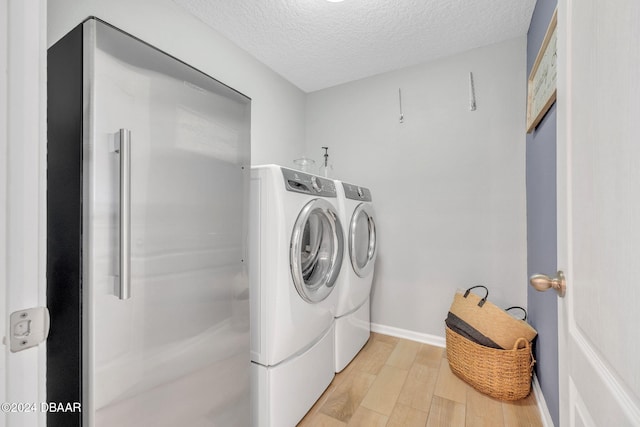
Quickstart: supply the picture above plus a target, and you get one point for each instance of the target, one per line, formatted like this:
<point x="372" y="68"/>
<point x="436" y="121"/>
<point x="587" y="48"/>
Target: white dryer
<point x="297" y="244"/>
<point x="353" y="324"/>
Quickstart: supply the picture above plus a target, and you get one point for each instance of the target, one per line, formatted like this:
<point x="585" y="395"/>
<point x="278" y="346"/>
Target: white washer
<point x="353" y="324"/>
<point x="297" y="244"/>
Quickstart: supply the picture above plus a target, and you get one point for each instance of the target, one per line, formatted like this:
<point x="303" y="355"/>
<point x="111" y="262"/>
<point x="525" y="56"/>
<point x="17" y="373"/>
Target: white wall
<point x="448" y="185"/>
<point x="277" y="119"/>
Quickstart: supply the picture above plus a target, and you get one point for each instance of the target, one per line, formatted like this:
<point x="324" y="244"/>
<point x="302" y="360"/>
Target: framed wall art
<point x="541" y="86"/>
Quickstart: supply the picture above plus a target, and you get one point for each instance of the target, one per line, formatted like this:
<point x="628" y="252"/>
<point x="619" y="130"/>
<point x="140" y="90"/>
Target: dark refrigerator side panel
<point x="64" y="227"/>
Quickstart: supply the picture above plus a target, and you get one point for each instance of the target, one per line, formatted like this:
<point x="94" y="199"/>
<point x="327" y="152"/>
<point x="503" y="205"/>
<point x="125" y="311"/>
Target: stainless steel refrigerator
<point x="147" y="285"/>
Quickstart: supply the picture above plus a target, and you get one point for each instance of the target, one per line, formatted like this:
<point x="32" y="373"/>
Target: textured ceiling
<point x="317" y="44"/>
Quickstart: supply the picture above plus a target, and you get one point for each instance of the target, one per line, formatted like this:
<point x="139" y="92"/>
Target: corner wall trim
<point x="545" y="416"/>
<point x="435" y="340"/>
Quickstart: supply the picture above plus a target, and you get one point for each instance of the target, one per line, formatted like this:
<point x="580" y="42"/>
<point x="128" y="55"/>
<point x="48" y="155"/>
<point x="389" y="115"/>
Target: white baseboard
<point x="542" y="404"/>
<point x="434" y="340"/>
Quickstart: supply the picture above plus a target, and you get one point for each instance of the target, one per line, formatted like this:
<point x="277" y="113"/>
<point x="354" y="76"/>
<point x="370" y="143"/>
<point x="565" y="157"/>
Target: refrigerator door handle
<point x="123" y="283"/>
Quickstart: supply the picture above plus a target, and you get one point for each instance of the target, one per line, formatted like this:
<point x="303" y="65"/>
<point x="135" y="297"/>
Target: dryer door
<point x="362" y="240"/>
<point x="316" y="250"/>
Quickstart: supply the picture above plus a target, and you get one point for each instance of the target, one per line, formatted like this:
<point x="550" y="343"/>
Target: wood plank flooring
<point x="394" y="382"/>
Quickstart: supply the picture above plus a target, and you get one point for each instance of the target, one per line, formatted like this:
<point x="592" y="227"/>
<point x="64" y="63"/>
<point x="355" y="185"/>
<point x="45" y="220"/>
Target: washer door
<point x="316" y="250"/>
<point x="362" y="240"/>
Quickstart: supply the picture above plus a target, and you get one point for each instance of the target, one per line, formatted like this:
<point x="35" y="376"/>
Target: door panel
<point x="22" y="197"/>
<point x="177" y="351"/>
<point x="598" y="211"/>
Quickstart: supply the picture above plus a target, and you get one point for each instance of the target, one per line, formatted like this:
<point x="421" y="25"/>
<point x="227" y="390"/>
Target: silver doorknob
<point x="542" y="282"/>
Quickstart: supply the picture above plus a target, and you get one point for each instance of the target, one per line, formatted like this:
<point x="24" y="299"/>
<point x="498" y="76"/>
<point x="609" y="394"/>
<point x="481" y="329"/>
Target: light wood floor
<point x="394" y="382"/>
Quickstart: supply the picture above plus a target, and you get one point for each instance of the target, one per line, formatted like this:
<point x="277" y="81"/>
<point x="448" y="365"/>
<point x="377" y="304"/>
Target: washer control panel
<point x="354" y="192"/>
<point x="301" y="182"/>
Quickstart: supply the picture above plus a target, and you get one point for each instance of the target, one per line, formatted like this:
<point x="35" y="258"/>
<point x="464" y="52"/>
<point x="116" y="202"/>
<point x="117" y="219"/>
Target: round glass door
<point x="362" y="240"/>
<point x="316" y="250"/>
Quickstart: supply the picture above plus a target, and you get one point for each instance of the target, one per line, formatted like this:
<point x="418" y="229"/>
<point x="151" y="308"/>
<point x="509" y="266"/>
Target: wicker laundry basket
<point x="503" y="374"/>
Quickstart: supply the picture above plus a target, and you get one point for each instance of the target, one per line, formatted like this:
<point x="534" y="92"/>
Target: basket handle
<point x="483" y="300"/>
<point x="519" y="308"/>
<point x="527" y="344"/>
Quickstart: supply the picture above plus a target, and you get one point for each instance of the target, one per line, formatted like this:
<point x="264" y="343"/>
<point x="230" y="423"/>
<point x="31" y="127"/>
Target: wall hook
<point x="472" y="93"/>
<point x="400" y="103"/>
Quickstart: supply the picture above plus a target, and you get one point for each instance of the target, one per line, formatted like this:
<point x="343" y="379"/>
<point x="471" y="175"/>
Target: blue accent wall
<point x="541" y="225"/>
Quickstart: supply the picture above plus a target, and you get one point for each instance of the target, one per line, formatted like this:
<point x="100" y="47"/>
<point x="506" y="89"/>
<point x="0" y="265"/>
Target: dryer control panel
<point x="305" y="183"/>
<point x="354" y="192"/>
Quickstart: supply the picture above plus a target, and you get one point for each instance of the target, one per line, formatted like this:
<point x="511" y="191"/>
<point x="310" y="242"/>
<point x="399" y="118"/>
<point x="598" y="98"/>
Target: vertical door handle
<point x="123" y="285"/>
<point x="542" y="282"/>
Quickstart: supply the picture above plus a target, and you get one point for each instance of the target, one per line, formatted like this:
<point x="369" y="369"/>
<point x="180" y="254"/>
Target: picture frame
<point x="541" y="85"/>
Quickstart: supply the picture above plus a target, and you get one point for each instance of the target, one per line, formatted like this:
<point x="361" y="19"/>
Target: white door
<point x="22" y="201"/>
<point x="599" y="211"/>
